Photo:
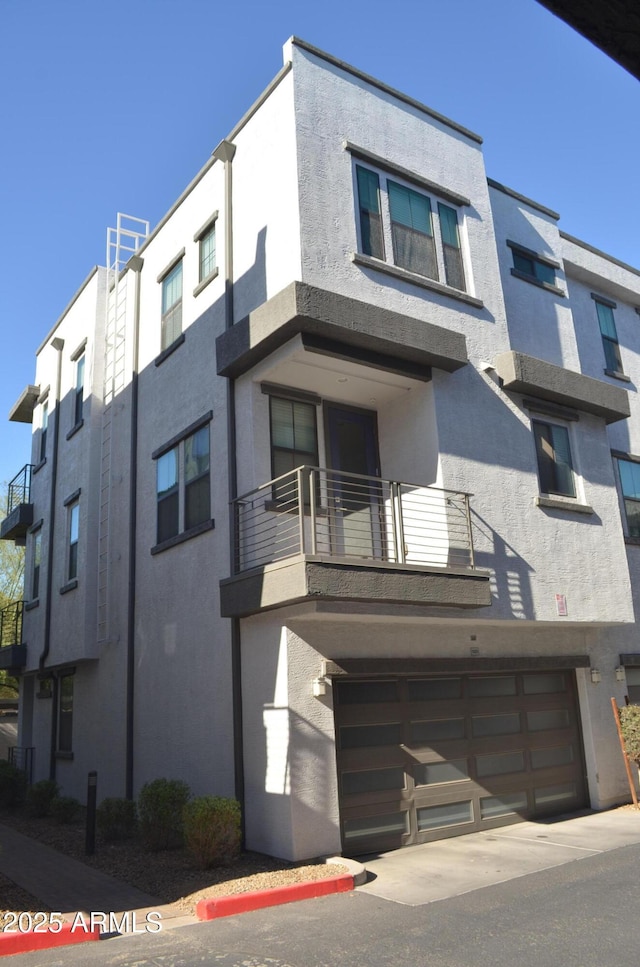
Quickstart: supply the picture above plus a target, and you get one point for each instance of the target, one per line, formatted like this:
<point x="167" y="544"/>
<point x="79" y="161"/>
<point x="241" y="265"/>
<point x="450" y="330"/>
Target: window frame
<point x="44" y="426"/>
<point x="36" y="561"/>
<point x="179" y="492"/>
<point x="620" y="458"/>
<point x="79" y="389"/>
<point x="540" y="265"/>
<point x="610" y="343"/>
<point x="438" y="200"/>
<point x="307" y="457"/>
<point x="73" y="539"/>
<point x="207" y="230"/>
<point x="547" y="464"/>
<point x="171" y="313"/>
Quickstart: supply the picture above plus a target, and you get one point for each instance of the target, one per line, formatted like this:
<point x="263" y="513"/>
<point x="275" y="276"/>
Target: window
<point x="43" y="430"/>
<point x="172" y="305"/>
<point x="35" y="573"/>
<point x="369" y="207"/>
<point x="74" y="530"/>
<point x="532" y="267"/>
<point x="555" y="468"/>
<point x="183" y="486"/>
<point x="207" y="253"/>
<point x="613" y="362"/>
<point x="629" y="473"/>
<point x="633" y="684"/>
<point x="167" y="492"/>
<point x="293" y="441"/>
<point x="79" y="391"/>
<point x="197" y="501"/>
<point x="65" y="713"/>
<point x="424" y="232"/>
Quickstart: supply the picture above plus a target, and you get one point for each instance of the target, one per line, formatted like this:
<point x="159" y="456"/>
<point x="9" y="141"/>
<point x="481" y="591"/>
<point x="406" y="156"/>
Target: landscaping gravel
<point x="171" y="875"/>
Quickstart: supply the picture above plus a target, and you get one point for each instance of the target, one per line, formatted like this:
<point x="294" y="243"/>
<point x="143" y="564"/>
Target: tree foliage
<point x="11" y="562"/>
<point x="11" y="583"/>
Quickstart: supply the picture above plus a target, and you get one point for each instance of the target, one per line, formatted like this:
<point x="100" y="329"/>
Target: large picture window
<point x="424" y="231"/>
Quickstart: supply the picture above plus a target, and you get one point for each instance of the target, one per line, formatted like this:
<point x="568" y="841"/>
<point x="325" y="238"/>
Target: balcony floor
<point x="314" y="578"/>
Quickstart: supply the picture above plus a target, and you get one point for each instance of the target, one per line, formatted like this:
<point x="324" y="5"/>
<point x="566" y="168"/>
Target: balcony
<point x="13" y="653"/>
<point x="319" y="534"/>
<point x="19" y="508"/>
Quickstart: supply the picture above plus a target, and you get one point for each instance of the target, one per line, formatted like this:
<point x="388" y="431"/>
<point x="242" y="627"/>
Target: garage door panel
<point x="497" y="750"/>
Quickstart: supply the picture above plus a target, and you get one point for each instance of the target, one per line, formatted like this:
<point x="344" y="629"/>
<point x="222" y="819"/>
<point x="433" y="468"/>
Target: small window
<point x="197" y="500"/>
<point x="633" y="684"/>
<point x="453" y="267"/>
<point x="74" y="533"/>
<point x="172" y="306"/>
<point x="35" y="573"/>
<point x="79" y="390"/>
<point x="629" y="473"/>
<point x="167" y="494"/>
<point x="412" y="230"/>
<point x="43" y="430"/>
<point x="532" y="267"/>
<point x="613" y="362"/>
<point x="183" y="484"/>
<point x="293" y="444"/>
<point x="371" y="238"/>
<point x="555" y="467"/>
<point x="65" y="714"/>
<point x="207" y="253"/>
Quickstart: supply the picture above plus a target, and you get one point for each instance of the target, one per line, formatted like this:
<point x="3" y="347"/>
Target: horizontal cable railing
<point x="11" y="624"/>
<point x="313" y="510"/>
<point x="20" y="489"/>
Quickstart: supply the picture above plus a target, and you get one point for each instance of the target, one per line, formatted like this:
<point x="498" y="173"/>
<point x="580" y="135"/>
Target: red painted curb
<point x="21" y="943"/>
<point x="226" y="906"/>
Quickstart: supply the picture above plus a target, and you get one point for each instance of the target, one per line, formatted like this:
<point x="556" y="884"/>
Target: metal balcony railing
<point x="324" y="512"/>
<point x="20" y="489"/>
<point x="11" y="624"/>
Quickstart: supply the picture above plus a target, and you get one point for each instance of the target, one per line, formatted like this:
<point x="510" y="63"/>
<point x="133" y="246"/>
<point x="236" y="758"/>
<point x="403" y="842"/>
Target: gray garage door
<point x="425" y="758"/>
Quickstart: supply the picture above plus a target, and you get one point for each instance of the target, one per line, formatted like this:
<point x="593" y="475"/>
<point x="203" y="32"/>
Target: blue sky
<point x="113" y="106"/>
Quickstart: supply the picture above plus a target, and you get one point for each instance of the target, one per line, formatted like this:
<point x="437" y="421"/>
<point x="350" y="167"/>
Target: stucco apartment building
<point x="333" y="498"/>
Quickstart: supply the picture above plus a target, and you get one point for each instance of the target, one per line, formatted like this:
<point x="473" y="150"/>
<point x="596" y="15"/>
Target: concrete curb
<point x="227" y="906"/>
<point x="22" y="943"/>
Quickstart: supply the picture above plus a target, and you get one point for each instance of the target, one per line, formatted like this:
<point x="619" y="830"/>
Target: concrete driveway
<point x="436" y="871"/>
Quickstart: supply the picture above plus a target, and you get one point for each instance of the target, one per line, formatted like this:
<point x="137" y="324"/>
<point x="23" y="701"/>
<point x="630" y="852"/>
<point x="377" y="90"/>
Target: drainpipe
<point x="58" y="345"/>
<point x="135" y="263"/>
<point x="225" y="152"/>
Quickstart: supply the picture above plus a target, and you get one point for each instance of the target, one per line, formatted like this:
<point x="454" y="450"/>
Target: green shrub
<point x="39" y="797"/>
<point x="160" y="806"/>
<point x="212" y="830"/>
<point x="13" y="785"/>
<point x="64" y="809"/>
<point x="116" y="818"/>
<point x="630" y="725"/>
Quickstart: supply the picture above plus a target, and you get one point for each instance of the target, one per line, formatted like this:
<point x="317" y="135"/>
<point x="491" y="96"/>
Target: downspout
<point x="58" y="345"/>
<point x="135" y="263"/>
<point x="225" y="152"/>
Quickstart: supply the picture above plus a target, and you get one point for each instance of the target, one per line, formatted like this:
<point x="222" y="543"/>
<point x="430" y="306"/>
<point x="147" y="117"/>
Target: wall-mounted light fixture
<point x="596" y="677"/>
<point x="319" y="686"/>
<point x="620" y="674"/>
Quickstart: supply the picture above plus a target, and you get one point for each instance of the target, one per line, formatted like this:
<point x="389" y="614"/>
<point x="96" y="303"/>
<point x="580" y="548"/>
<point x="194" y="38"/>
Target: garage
<point x="424" y="758"/>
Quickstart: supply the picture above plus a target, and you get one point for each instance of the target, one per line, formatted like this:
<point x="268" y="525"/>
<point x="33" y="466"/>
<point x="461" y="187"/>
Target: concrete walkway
<point x="68" y="886"/>
<point x="436" y="871"/>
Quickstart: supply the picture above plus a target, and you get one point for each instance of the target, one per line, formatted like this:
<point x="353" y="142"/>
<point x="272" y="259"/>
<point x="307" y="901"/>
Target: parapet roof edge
<point x="528" y="201"/>
<point x="597" y="251"/>
<point x="349" y="69"/>
<point x="74" y="298"/>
